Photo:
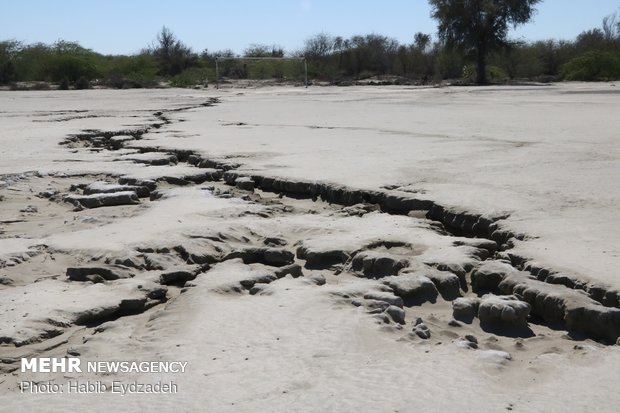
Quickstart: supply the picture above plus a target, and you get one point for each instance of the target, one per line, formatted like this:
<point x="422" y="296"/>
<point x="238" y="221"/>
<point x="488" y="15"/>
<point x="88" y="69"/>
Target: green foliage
<point x="593" y="66"/>
<point x="56" y="62"/>
<point x="472" y="34"/>
<point x="137" y="71"/>
<point x="32" y="62"/>
<point x="494" y="74"/>
<point x="478" y="27"/>
<point x="261" y="50"/>
<point x="262" y="69"/>
<point x="8" y="53"/>
<point x="142" y="64"/>
<point x="193" y="77"/>
<point x="172" y="56"/>
<point x="82" y="83"/>
<point x="64" y="84"/>
<point x="69" y="60"/>
<point x="449" y="64"/>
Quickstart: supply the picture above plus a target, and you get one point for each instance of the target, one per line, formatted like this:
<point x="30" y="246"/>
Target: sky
<point x="126" y="26"/>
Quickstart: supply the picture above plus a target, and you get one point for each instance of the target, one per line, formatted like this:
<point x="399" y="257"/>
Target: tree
<point x="611" y="27"/>
<point x="479" y="26"/>
<point x="9" y="50"/>
<point x="262" y="50"/>
<point x="69" y="60"/>
<point x="421" y="41"/>
<point x="172" y="55"/>
<point x="318" y="46"/>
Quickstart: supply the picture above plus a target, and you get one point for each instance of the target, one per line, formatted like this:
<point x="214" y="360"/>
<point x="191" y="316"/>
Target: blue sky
<point x="125" y="26"/>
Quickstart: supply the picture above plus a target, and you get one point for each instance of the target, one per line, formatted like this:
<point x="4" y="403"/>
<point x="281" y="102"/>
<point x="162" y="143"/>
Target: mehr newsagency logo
<point x="73" y="365"/>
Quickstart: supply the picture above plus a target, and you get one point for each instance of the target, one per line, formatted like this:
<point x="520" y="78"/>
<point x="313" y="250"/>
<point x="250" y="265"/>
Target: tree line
<point x="459" y="53"/>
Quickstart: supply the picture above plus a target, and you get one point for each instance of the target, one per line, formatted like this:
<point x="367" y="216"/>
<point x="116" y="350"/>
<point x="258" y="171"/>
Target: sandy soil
<point x="315" y="249"/>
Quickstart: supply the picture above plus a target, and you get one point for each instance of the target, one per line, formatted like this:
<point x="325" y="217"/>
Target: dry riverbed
<point x="322" y="249"/>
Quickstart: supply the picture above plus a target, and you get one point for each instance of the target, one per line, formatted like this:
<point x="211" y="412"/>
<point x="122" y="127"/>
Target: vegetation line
<point x="471" y="47"/>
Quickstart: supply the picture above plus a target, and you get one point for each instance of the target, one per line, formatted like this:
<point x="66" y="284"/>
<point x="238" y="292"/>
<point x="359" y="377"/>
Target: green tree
<point x="262" y="50"/>
<point x="318" y="46"/>
<point x="9" y="50"/>
<point x="172" y="55"/>
<point x="479" y="26"/>
<point x="71" y="61"/>
<point x="593" y="66"/>
<point x="33" y="62"/>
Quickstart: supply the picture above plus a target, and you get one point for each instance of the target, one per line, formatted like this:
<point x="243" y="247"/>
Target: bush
<point x="64" y="84"/>
<point x="8" y="52"/>
<point x="592" y="66"/>
<point x="494" y="74"/>
<point x="127" y="72"/>
<point x="82" y="83"/>
<point x="192" y="77"/>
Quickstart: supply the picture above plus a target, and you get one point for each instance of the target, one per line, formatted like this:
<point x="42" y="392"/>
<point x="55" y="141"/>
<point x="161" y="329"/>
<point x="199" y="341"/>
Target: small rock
<point x="101" y="187"/>
<point x="321" y="257"/>
<point x="108" y="273"/>
<point x="260" y="289"/>
<point x="396" y="313"/>
<point x="294" y="270"/>
<point x="274" y="242"/>
<point x="244" y="183"/>
<point x="270" y="256"/>
<point x="447" y="283"/>
<point x="465" y="309"/>
<point x="102" y="200"/>
<point x="30" y="209"/>
<point x="422" y="331"/>
<point x="471" y="338"/>
<point x="259" y="278"/>
<point x="412" y="285"/>
<point x="176" y="277"/>
<point x="506" y="310"/>
<point x="317" y="279"/>
<point x="372" y="263"/>
<point x="467" y="344"/>
<point x="72" y="351"/>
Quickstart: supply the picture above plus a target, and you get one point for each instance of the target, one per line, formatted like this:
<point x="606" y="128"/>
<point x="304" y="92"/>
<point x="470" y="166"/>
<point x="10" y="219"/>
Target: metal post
<point x="217" y="75"/>
<point x="306" y="70"/>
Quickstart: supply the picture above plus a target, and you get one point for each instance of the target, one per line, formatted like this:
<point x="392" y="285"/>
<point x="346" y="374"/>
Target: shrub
<point x="494" y="74"/>
<point x="8" y="52"/>
<point x="126" y="72"/>
<point x="592" y="66"/>
<point x="64" y="84"/>
<point x="192" y="77"/>
<point x="82" y="83"/>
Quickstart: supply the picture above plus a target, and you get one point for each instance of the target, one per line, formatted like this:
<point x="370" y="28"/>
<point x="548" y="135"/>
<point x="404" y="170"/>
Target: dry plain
<point x="322" y="249"/>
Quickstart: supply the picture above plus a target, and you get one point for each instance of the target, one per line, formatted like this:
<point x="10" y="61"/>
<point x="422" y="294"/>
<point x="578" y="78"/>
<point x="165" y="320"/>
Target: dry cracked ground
<point x="369" y="249"/>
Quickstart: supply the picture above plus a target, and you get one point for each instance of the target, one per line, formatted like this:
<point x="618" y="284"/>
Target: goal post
<point x="221" y="59"/>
